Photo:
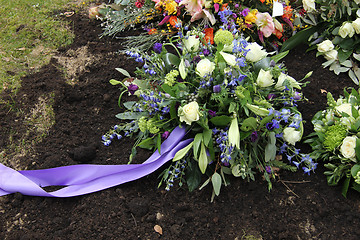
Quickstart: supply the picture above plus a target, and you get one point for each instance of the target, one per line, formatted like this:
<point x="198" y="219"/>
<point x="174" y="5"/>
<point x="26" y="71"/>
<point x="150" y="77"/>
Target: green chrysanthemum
<point x="334" y="136"/>
<point x="223" y="37"/>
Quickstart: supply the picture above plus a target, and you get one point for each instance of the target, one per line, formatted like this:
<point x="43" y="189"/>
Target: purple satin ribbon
<point x="86" y="178"/>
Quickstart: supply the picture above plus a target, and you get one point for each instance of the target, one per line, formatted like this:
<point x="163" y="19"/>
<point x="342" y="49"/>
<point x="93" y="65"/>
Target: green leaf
<point x="197" y="140"/>
<point x="300" y="37"/>
<point x="129" y="104"/>
<point x="355" y="169"/>
<point x="193" y="176"/>
<point x="357" y="148"/>
<point x="249" y="124"/>
<point x="131" y="115"/>
<point x="216" y="182"/>
<point x="166" y="88"/>
<point x="158" y="143"/>
<point x="221" y="121"/>
<point x="270" y="149"/>
<point x="205" y="183"/>
<point x="147" y="144"/>
<point x="279" y="56"/>
<point x="207" y="133"/>
<point x="345" y="187"/>
<point x="181" y="153"/>
<point x="356" y="186"/>
<point x="171" y="59"/>
<point x="123" y="71"/>
<point x="343" y="55"/>
<point x="114" y="82"/>
<point x="347" y="44"/>
<point x="203" y="160"/>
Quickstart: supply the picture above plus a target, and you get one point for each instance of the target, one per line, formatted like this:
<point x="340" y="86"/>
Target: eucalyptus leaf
<point x="181" y="153"/>
<point x="123" y="71"/>
<point x="197" y="141"/>
<point x="129" y="104"/>
<point x="207" y="136"/>
<point x="114" y="82"/>
<point x="203" y="160"/>
<point x="131" y="115"/>
<point x="216" y="182"/>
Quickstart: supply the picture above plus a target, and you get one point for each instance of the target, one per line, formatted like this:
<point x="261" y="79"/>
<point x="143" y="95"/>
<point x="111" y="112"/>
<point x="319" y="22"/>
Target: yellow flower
<point x="218" y="1"/>
<point x="171" y="7"/>
<point x="251" y="17"/>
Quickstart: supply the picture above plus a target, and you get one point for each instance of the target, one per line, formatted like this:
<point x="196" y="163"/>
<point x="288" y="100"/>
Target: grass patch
<point x="29" y="32"/>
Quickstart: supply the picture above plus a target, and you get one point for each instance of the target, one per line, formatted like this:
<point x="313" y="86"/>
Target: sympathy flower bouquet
<point x="336" y="140"/>
<point x="264" y="21"/>
<point x="235" y="101"/>
<point x="334" y="33"/>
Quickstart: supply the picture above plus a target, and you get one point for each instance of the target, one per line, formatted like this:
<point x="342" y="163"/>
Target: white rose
<point x="345" y="107"/>
<point x="189" y="113"/>
<point x="291" y="135"/>
<point x="264" y="79"/>
<point x="347" y="121"/>
<point x="281" y="80"/>
<point x="205" y="67"/>
<point x="347" y="148"/>
<point x="256" y="52"/>
<point x="331" y="55"/>
<point x="309" y="5"/>
<point x="325" y="46"/>
<point x="356" y="25"/>
<point x="192" y="44"/>
<point x="346" y="29"/>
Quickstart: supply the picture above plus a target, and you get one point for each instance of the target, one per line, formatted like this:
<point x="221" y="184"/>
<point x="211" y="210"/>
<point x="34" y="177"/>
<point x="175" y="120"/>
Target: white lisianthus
<point x="347" y="121"/>
<point x="309" y="5"/>
<point x="356" y="25"/>
<point x="256" y="52"/>
<point x="291" y="135"/>
<point x="345" y="107"/>
<point x="331" y="55"/>
<point x="329" y="116"/>
<point x="205" y="67"/>
<point x="182" y="69"/>
<point x="325" y="46"/>
<point x="264" y="79"/>
<point x="281" y="80"/>
<point x="229" y="58"/>
<point x="346" y="30"/>
<point x="347" y="148"/>
<point x="318" y="127"/>
<point x="189" y="113"/>
<point x="191" y="43"/>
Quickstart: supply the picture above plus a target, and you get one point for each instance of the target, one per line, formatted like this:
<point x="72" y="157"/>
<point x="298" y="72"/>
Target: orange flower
<point x="287" y="12"/>
<point x="152" y="31"/>
<point x="224" y="6"/>
<point x="209" y="35"/>
<point x="277" y="33"/>
<point x="262" y="1"/>
<point x="173" y="20"/>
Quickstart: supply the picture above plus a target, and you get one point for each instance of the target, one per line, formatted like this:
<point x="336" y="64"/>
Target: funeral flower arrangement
<point x="334" y="34"/>
<point x="265" y="21"/>
<point x="236" y="102"/>
<point x="336" y="140"/>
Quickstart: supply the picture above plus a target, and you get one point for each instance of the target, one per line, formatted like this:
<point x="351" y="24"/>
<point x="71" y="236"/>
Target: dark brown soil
<point x="298" y="207"/>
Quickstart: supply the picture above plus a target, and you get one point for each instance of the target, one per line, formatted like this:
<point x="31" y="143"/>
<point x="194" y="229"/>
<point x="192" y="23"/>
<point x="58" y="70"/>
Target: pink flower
<point x="265" y="23"/>
<point x="195" y="9"/>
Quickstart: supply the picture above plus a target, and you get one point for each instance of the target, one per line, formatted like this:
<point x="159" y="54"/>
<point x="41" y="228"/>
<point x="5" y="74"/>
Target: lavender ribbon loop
<point x="86" y="178"/>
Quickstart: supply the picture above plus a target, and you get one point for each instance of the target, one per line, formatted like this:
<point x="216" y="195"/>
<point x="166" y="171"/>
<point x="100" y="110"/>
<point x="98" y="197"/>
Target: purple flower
<point x="245" y="12"/>
<point x="254" y="136"/>
<point x="165" y="135"/>
<point x="270" y="126"/>
<point x="212" y="113"/>
<point x="268" y="169"/>
<point x="158" y="47"/>
<point x="206" y="52"/>
<point x="270" y="96"/>
<point x="197" y="59"/>
<point x="132" y="88"/>
<point x="297" y="96"/>
<point x="216" y="88"/>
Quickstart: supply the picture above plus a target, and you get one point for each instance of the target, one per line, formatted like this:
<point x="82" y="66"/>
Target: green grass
<point x="29" y="32"/>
